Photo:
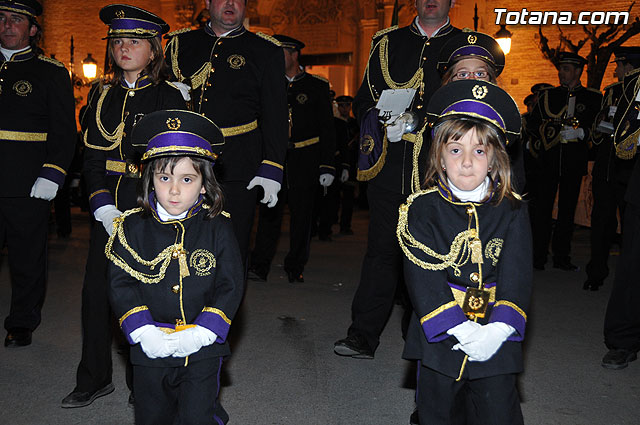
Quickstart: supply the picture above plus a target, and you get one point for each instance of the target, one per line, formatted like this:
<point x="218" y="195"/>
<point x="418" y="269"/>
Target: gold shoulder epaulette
<point x="51" y="60"/>
<point x="594" y="90"/>
<point x="320" y="77"/>
<point x="269" y="38"/>
<point x="466" y="29"/>
<point x="612" y="85"/>
<point x="384" y="31"/>
<point x="633" y="71"/>
<point x="226" y="214"/>
<point x="180" y="31"/>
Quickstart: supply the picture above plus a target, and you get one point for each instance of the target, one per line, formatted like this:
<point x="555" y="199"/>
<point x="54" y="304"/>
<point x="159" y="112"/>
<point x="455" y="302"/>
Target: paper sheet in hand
<point x="394" y="102"/>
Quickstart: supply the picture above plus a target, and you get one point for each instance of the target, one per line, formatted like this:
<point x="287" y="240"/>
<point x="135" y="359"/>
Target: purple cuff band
<point x="474" y="107"/>
<point x="270" y="172"/>
<point x="135" y="321"/>
<point x="215" y="323"/>
<point x="473" y="51"/>
<point x="435" y="329"/>
<point x="133" y="24"/>
<point x="327" y="170"/>
<point x="101" y="199"/>
<point x="505" y="314"/>
<point x="52" y="174"/>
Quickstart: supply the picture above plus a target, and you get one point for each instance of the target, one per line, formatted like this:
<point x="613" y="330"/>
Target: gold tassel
<point x="476" y="251"/>
<point x="182" y="259"/>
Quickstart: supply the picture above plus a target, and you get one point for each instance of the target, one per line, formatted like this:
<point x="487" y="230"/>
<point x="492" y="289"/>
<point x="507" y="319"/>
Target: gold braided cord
<point x="417" y="146"/>
<point x="200" y="77"/>
<point x="173" y="45"/>
<point x="22" y="136"/>
<point x="626" y="149"/>
<point x="239" y="129"/>
<point x="413" y="83"/>
<point x="114" y="138"/>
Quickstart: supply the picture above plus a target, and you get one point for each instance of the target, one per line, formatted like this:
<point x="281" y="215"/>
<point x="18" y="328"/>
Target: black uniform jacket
<point x="111" y="161"/>
<point x="312" y="144"/>
<point x="434" y="232"/>
<point x="626" y="122"/>
<point x="238" y="81"/>
<point x="399" y="58"/>
<point x="37" y="122"/>
<point x="547" y="119"/>
<point x="197" y="277"/>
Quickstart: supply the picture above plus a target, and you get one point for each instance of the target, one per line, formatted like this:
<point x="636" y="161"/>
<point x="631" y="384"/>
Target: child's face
<point x="177" y="191"/>
<point x="466" y="161"/>
<point x="132" y="55"/>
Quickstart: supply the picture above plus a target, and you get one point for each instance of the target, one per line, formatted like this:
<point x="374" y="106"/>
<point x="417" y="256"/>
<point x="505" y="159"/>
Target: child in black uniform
<point x="175" y="272"/>
<point x="467" y="264"/>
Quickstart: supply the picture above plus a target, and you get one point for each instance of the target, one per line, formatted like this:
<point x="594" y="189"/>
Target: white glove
<point x="463" y="330"/>
<point x="106" y="214"/>
<point x="270" y="187"/>
<point x="154" y="342"/>
<point x="184" y="90"/>
<point x="395" y="131"/>
<point x="326" y="179"/>
<point x="572" y="133"/>
<point x="44" y="189"/>
<point x="191" y="340"/>
<point x="344" y="176"/>
<point x="482" y="344"/>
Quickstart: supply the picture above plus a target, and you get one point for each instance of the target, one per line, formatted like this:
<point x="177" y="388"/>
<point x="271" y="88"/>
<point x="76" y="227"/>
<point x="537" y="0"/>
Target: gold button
<point x="215" y="55"/>
<point x="424" y="58"/>
<point x="174" y="254"/>
<point x="475" y="277"/>
<point x="132" y="93"/>
<point x="470" y="210"/>
<point x="427" y="43"/>
<point x="175" y="289"/>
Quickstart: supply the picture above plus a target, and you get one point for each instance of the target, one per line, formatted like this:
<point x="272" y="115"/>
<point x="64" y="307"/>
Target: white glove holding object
<point x="344" y="176"/>
<point x="326" y="179"/>
<point x="184" y="90"/>
<point x="270" y="187"/>
<point x="44" y="189"/>
<point x="395" y="131"/>
<point x="463" y="330"/>
<point x="482" y="344"/>
<point x="572" y="134"/>
<point x="154" y="342"/>
<point x="193" y="339"/>
<point x="106" y="214"/>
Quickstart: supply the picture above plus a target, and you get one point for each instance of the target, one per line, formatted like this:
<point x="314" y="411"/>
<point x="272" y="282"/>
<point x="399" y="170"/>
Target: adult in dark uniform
<point x="399" y="58"/>
<point x="561" y="121"/>
<point x="37" y="139"/>
<point x="348" y="166"/>
<point x="237" y="80"/>
<point x="136" y="86"/>
<point x="610" y="174"/>
<point x="309" y="163"/>
<point x="621" y="322"/>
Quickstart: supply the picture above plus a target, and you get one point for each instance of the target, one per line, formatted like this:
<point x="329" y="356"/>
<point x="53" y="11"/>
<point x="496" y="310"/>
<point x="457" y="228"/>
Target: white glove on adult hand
<point x="572" y="134"/>
<point x="154" y="342"/>
<point x="193" y="339"/>
<point x="44" y="189"/>
<point x="482" y="344"/>
<point x="184" y="90"/>
<point x="395" y="131"/>
<point x="326" y="179"/>
<point x="344" y="176"/>
<point x="106" y="214"/>
<point x="463" y="330"/>
<point x="270" y="187"/>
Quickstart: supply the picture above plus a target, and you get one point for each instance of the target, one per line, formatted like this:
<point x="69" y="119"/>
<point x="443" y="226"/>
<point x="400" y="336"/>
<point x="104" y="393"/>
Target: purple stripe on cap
<point x="133" y="24"/>
<point x="473" y="51"/>
<point x="474" y="107"/>
<point x="178" y="138"/>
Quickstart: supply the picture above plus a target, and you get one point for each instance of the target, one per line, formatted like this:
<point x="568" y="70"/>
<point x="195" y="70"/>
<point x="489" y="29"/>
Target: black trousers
<point x="23" y="226"/>
<point x="381" y="267"/>
<point x="241" y="204"/>
<point x="493" y="400"/>
<point x="300" y="201"/>
<point x="608" y="197"/>
<point x="621" y="321"/>
<point x="179" y="395"/>
<point x="95" y="368"/>
<point x="548" y="184"/>
<point x="347" y="189"/>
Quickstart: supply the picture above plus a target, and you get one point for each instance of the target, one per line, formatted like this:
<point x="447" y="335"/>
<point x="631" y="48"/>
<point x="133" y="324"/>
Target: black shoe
<point x="295" y="277"/>
<point x="414" y="419"/>
<point x="353" y="346"/>
<point x="565" y="265"/>
<point x="81" y="399"/>
<point x="18" y="337"/>
<point x="592" y="285"/>
<point x="255" y="274"/>
<point x="618" y="358"/>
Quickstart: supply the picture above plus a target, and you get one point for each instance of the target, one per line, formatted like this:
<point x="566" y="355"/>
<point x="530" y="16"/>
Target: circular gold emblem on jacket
<point x="302" y="98"/>
<point x="366" y="144"/>
<point x="173" y="123"/>
<point x="581" y="107"/>
<point x="202" y="261"/>
<point x="472" y="39"/>
<point x="22" y="88"/>
<point x="479" y="92"/>
<point x="120" y="14"/>
<point x="236" y="61"/>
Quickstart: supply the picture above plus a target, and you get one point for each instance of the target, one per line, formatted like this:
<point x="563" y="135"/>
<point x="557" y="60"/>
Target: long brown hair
<point x="213" y="198"/>
<point x="499" y="164"/>
<point x="157" y="70"/>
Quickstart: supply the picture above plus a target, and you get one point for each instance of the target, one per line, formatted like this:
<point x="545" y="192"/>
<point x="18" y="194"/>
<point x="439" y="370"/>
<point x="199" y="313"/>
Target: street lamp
<point x="503" y="37"/>
<point x="89" y="67"/>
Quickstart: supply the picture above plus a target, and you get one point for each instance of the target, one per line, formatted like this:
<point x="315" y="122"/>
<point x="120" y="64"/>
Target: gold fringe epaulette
<point x="320" y="77"/>
<point x="226" y="214"/>
<point x="269" y="38"/>
<point x="176" y="32"/>
<point x="51" y="60"/>
<point x="384" y="31"/>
